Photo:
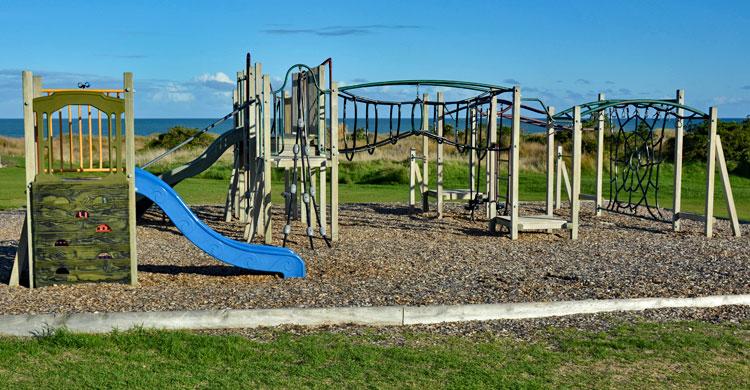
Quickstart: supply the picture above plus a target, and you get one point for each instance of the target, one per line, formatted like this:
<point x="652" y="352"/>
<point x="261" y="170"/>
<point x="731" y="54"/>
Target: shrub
<point x="178" y="134"/>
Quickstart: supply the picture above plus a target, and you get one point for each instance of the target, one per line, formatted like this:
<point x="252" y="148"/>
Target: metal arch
<point x="481" y="87"/>
<point x="600" y="105"/>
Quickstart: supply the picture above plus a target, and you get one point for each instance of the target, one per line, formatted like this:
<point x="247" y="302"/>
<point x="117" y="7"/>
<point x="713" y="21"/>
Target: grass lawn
<point x="376" y="182"/>
<point x="645" y="355"/>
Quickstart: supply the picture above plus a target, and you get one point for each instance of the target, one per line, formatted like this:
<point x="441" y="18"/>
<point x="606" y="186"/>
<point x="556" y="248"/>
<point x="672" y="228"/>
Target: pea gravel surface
<point x="388" y="257"/>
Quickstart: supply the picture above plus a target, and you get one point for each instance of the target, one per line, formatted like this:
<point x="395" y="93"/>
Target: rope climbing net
<point x="640" y="135"/>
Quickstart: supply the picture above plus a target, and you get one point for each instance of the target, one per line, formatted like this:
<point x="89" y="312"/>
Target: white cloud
<point x="172" y="93"/>
<point x="218" y="77"/>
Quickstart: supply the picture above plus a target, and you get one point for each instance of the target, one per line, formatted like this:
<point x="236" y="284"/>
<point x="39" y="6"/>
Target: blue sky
<point x="185" y="53"/>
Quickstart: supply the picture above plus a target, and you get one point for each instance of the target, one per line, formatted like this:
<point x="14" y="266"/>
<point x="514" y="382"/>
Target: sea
<point x="144" y="126"/>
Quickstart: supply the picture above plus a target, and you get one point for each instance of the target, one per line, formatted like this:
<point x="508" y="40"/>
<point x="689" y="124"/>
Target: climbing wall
<point x="80" y="229"/>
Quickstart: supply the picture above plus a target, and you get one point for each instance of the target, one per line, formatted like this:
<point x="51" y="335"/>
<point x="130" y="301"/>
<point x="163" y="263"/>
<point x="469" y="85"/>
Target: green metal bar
<point x="482" y="87"/>
<point x="596" y="106"/>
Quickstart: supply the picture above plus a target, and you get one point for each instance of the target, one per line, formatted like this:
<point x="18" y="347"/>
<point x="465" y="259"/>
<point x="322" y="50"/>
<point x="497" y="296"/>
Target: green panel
<point x="58" y="100"/>
<point x="68" y="249"/>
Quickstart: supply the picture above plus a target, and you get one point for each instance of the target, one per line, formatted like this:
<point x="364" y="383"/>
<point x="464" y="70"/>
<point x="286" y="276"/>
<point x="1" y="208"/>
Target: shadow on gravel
<point x="7" y="253"/>
<point x="208" y="270"/>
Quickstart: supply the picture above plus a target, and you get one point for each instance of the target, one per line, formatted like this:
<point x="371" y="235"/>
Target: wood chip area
<point x="387" y="257"/>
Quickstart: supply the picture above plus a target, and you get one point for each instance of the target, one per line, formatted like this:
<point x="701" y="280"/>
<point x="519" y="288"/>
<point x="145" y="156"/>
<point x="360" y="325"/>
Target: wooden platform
<point x="534" y="222"/>
<point x="287" y="161"/>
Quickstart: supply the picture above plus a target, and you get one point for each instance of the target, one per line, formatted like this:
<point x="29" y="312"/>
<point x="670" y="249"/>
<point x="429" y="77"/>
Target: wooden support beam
<point x="558" y="178"/>
<point x="266" y="180"/>
<point x="550" y="199"/>
<point x="425" y="155"/>
<point x="334" y="136"/>
<point x="491" y="161"/>
<point x="575" y="202"/>
<point x="440" y="162"/>
<point x="600" y="124"/>
<point x="711" y="173"/>
<point x="515" y="159"/>
<point x="727" y="186"/>
<point x="323" y="171"/>
<point x="130" y="169"/>
<point x="678" y="141"/>
<point x="31" y="165"/>
<point x="412" y="179"/>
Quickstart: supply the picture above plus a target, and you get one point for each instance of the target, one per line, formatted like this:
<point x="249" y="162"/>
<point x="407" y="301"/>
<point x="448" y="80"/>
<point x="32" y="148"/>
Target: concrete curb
<point x="29" y="324"/>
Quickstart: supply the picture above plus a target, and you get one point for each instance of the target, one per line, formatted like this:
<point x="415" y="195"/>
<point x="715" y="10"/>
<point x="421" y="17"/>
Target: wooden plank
<point x="678" y="147"/>
<point x="70" y="137"/>
<point x="91" y="139"/>
<point x="80" y="137"/>
<point x="130" y="169"/>
<point x="101" y="153"/>
<point x="440" y="162"/>
<point x="515" y="159"/>
<point x="60" y="125"/>
<point x="575" y="202"/>
<point x="711" y="172"/>
<point x="600" y="124"/>
<point x="727" y="186"/>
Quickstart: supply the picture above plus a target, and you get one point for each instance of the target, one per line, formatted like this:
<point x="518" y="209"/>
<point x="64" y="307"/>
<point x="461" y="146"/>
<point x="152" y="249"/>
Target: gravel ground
<point x="387" y="257"/>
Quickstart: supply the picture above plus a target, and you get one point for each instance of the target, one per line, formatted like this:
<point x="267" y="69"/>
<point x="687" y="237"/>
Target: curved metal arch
<point x="470" y="85"/>
<point x="599" y="105"/>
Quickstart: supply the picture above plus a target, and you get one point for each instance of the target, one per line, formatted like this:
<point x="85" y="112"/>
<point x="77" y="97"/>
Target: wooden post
<point x="599" y="160"/>
<point x="321" y="120"/>
<point x="25" y="259"/>
<point x="558" y="178"/>
<point x="412" y="179"/>
<point x="472" y="150"/>
<point x="425" y="188"/>
<point x="550" y="205"/>
<point x="727" y="186"/>
<point x="130" y="169"/>
<point x="575" y="196"/>
<point x="711" y="172"/>
<point x="679" y="130"/>
<point x="440" y="121"/>
<point x="515" y="145"/>
<point x="266" y="181"/>
<point x="492" y="161"/>
<point x="334" y="112"/>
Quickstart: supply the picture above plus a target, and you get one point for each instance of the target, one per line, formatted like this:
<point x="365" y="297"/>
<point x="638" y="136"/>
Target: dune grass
<point x="683" y="354"/>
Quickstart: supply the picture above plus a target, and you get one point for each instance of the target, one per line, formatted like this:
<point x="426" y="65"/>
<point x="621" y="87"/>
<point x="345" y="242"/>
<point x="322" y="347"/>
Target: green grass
<point x="375" y="181"/>
<point x="642" y="355"/>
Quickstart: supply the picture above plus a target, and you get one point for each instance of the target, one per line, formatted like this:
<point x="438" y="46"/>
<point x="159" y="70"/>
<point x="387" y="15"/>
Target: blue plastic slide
<point x="249" y="256"/>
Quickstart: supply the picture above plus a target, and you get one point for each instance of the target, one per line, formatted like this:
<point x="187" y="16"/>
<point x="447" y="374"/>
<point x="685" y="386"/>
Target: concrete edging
<point x="29" y="324"/>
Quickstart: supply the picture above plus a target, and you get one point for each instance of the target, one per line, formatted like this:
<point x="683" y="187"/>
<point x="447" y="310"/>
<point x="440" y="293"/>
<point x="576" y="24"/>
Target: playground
<point x="516" y="215"/>
<point x="91" y="217"/>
